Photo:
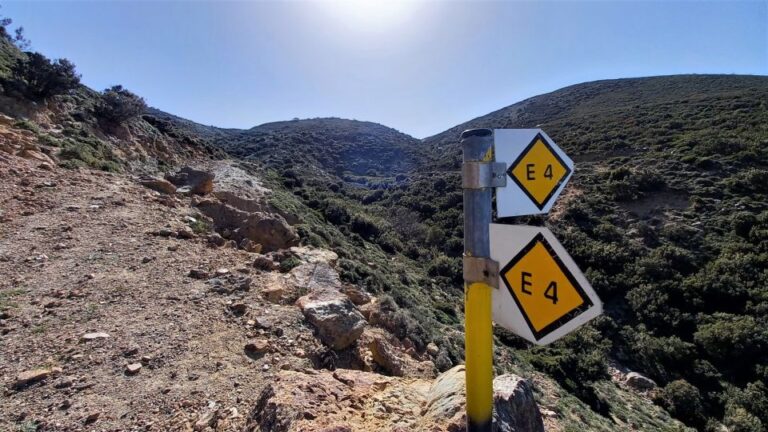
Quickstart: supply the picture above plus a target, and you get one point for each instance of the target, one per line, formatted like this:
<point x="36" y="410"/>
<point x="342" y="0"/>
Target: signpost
<point x="542" y="295"/>
<point x="538" y="168"/>
<point x="519" y="275"/>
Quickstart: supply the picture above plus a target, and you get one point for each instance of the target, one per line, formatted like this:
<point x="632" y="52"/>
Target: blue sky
<point x="420" y="67"/>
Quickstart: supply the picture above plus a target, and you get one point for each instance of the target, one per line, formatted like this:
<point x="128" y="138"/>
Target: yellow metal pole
<point x="477" y="146"/>
<point x="479" y="356"/>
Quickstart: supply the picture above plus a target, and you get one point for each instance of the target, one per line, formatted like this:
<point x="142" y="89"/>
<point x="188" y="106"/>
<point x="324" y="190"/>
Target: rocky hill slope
<point x="666" y="214"/>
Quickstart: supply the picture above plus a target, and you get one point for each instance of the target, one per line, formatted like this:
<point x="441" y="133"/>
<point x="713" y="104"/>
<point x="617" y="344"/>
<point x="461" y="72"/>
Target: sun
<point x="370" y="15"/>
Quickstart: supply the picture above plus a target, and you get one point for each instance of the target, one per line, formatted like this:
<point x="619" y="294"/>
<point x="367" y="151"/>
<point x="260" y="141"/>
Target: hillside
<point x="666" y="213"/>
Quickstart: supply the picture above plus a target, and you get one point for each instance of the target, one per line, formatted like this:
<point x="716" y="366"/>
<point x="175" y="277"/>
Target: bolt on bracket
<point x="479" y="175"/>
<point x="483" y="270"/>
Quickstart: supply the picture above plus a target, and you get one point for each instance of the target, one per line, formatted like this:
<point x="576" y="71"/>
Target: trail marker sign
<point x="542" y="294"/>
<point x="538" y="168"/>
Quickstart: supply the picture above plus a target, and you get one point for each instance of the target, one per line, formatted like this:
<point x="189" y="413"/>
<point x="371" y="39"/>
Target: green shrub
<point x="366" y="226"/>
<point x="37" y="78"/>
<point x="733" y="339"/>
<point x="27" y="125"/>
<point x="751" y="180"/>
<point x="289" y="263"/>
<point x="89" y="152"/>
<point x="200" y="226"/>
<point x="336" y="214"/>
<point x="445" y="266"/>
<point x="742" y="223"/>
<point x="738" y="419"/>
<point x="118" y="105"/>
<point x="683" y="401"/>
<point x="660" y="357"/>
<point x="389" y="242"/>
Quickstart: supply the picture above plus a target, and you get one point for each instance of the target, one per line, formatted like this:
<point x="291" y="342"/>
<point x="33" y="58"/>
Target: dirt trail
<point x="77" y="256"/>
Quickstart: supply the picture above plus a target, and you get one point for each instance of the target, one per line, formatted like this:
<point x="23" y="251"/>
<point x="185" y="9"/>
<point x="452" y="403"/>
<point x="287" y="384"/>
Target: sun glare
<point x="370" y="15"/>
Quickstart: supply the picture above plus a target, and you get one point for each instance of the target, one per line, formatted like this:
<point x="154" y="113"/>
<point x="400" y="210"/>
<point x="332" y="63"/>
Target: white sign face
<point x="537" y="171"/>
<point x="542" y="294"/>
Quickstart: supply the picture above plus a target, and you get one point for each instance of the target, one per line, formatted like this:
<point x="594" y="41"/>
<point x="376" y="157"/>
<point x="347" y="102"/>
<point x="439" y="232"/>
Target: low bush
<point x="683" y="401"/>
<point x="118" y="105"/>
<point x="36" y="77"/>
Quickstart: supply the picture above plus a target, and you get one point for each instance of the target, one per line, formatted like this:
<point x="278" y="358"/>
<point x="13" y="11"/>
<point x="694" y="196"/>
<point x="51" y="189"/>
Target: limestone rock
<point x="272" y="232"/>
<point x="447" y="396"/>
<point x="274" y="293"/>
<point x="432" y="349"/>
<point x="639" y="382"/>
<point x="269" y="230"/>
<point x="357" y="295"/>
<point x="207" y="418"/>
<point x="391" y="356"/>
<point x="158" y="184"/>
<point x="93" y="336"/>
<point x="258" y="347"/>
<point x="200" y="182"/>
<point x="312" y="255"/>
<point x="319" y="276"/>
<point x="29" y="377"/>
<point x="336" y="319"/>
<point x="515" y="409"/>
<point x="133" y="368"/>
<point x="185" y="232"/>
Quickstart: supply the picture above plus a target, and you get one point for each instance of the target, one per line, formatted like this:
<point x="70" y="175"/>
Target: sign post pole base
<point x="477" y="145"/>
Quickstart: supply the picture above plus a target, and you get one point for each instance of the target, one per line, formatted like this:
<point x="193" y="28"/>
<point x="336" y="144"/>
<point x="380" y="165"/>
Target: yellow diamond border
<point x="519" y="159"/>
<point x="539" y="238"/>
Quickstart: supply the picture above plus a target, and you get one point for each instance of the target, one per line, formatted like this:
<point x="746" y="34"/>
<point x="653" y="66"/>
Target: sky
<point x="418" y="66"/>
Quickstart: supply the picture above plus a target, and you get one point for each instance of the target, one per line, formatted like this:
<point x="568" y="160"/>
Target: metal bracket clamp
<point x="479" y="175"/>
<point x="483" y="270"/>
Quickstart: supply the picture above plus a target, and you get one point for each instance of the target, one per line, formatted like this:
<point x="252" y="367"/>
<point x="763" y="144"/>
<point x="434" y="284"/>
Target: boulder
<point x="386" y="356"/>
<point x="158" y="184"/>
<point x="432" y="349"/>
<point x="313" y="256"/>
<point x="315" y="276"/>
<point x="380" y="350"/>
<point x="639" y="382"/>
<point x="269" y="230"/>
<point x="446" y="397"/>
<point x="514" y="406"/>
<point x="515" y="409"/>
<point x="357" y="295"/>
<point x="336" y="319"/>
<point x="200" y="182"/>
